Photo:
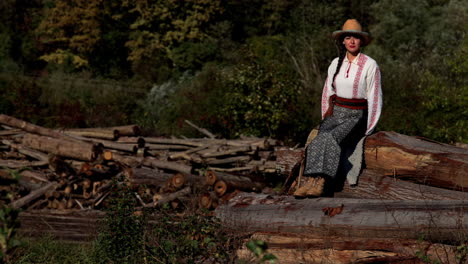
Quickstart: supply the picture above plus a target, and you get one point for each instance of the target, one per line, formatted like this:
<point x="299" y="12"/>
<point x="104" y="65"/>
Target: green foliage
<point x="462" y="252"/>
<point x="74" y="28"/>
<point x="259" y="248"/>
<point x="81" y="101"/>
<point x="188" y="238"/>
<point x="49" y="250"/>
<point x="427" y="258"/>
<point x="8" y="221"/>
<point x="122" y="239"/>
<point x="261" y="93"/>
<point x="258" y="99"/>
<point x="420" y="47"/>
<point x="197" y="98"/>
<point x="192" y="238"/>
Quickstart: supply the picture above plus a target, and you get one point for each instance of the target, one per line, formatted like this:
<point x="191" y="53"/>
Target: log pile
<point x="74" y="168"/>
<point x="410" y="187"/>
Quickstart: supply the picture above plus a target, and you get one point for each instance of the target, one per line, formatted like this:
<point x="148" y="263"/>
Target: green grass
<point x="46" y="250"/>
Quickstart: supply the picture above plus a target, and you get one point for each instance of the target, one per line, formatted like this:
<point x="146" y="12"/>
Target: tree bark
<point x="93" y="133"/>
<point x="148" y="176"/>
<point x="154" y="163"/>
<point x="170" y="197"/>
<point x="26" y="151"/>
<point x="62" y="147"/>
<point x="437" y="220"/>
<point x="17" y="123"/>
<point x="307" y="248"/>
<point x="224" y="182"/>
<point x="403" y="157"/>
<point x="418" y="160"/>
<point x="374" y="185"/>
<point x="34" y="195"/>
<point x="18" y="164"/>
<point x="127" y="130"/>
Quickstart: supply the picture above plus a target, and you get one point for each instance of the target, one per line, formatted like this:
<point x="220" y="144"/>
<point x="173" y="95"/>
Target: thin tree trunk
<point x="62" y="147"/>
<point x="34" y="195"/>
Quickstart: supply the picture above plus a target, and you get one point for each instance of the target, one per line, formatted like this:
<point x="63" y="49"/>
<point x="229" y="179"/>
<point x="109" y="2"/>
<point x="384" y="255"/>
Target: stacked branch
<point x="408" y="187"/>
<point x="75" y="168"/>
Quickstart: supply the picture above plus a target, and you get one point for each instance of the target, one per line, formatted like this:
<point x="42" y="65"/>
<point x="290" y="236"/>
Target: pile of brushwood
<point x="408" y="206"/>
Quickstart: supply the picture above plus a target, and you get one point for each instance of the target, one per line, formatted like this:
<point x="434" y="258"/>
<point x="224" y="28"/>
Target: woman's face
<point x="352" y="44"/>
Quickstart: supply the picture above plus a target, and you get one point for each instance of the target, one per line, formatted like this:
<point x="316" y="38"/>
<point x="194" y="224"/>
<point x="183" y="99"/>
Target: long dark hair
<point x="342" y="52"/>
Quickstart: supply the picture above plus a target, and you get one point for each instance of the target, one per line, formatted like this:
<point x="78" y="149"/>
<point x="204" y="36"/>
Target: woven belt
<point x="351" y="103"/>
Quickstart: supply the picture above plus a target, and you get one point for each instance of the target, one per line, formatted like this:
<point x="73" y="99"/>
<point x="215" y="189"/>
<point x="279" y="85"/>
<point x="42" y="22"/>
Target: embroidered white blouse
<point x="359" y="79"/>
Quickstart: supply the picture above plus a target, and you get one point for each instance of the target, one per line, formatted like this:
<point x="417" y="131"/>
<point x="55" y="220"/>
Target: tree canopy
<point x="236" y="67"/>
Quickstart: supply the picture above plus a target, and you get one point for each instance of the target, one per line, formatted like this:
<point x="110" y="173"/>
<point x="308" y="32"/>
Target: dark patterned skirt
<point x="327" y="155"/>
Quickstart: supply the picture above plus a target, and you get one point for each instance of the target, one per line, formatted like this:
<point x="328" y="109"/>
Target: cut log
<point x="287" y="158"/>
<point x="111" y="144"/>
<point x="17" y="123"/>
<point x="221" y="188"/>
<point x="30" y="175"/>
<point x="186" y="154"/>
<point x="230" y="151"/>
<point x="34" y="195"/>
<point x="93" y="133"/>
<point x="11" y="132"/>
<point x="403" y="157"/>
<point x="307" y="248"/>
<point x="178" y="180"/>
<point x="208" y="200"/>
<point x="374" y="185"/>
<point x="154" y="163"/>
<point x="62" y="147"/>
<point x="167" y="147"/>
<point x="237" y="160"/>
<point x="127" y="130"/>
<point x="123" y="159"/>
<point x="18" y="164"/>
<point x="232" y="181"/>
<point x="418" y="160"/>
<point x="436" y="220"/>
<point x="26" y="151"/>
<point x="148" y="176"/>
<point x="170" y="197"/>
<point x="201" y="130"/>
<point x="68" y="225"/>
<point x="170" y="141"/>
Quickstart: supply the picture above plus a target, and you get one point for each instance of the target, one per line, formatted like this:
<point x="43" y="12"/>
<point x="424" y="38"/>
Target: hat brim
<point x="365" y="36"/>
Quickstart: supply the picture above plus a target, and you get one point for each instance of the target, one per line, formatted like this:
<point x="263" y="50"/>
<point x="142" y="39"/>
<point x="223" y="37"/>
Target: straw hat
<point x="352" y="26"/>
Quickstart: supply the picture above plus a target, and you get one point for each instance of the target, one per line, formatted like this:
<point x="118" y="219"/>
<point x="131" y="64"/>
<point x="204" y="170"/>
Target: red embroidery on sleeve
<point x="361" y="62"/>
<point x="325" y="98"/>
<point x="376" y="99"/>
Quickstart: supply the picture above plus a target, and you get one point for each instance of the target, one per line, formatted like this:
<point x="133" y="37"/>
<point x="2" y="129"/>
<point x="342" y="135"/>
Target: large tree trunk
<point x="418" y="160"/>
<point x="404" y="157"/>
<point x="437" y="220"/>
<point x="374" y="185"/>
<point x="307" y="248"/>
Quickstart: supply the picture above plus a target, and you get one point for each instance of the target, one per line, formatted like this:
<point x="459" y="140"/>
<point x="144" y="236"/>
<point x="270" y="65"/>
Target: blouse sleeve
<point x="327" y="88"/>
<point x="374" y="97"/>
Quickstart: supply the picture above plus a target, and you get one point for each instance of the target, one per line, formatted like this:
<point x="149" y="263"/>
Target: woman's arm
<point x="374" y="97"/>
<point x="328" y="92"/>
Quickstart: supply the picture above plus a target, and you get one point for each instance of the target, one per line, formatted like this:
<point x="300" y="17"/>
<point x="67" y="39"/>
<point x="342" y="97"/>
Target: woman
<point x="351" y="107"/>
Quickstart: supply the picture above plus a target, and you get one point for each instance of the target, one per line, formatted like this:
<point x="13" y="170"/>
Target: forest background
<point x="234" y="67"/>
